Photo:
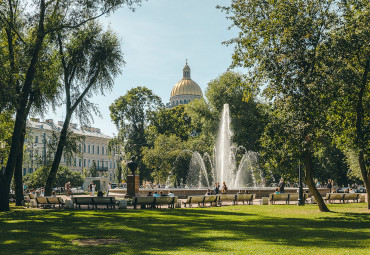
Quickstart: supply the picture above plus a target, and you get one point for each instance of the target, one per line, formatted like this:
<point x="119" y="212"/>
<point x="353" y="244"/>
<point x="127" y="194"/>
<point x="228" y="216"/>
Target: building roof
<point x="50" y="126"/>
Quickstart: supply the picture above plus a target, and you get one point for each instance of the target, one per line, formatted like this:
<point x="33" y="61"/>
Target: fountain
<point x="224" y="167"/>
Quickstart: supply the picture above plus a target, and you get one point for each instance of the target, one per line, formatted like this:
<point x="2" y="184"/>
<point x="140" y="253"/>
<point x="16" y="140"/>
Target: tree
<point x="90" y="61"/>
<point x="6" y="126"/>
<point x="203" y="120"/>
<point x="247" y="116"/>
<point x="161" y="157"/>
<point x="130" y="113"/>
<point x="171" y="121"/>
<point x="279" y="41"/>
<point x="38" y="178"/>
<point x="348" y="70"/>
<point x="31" y="25"/>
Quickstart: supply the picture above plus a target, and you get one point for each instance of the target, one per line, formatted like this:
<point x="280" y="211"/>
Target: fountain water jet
<point x="223" y="165"/>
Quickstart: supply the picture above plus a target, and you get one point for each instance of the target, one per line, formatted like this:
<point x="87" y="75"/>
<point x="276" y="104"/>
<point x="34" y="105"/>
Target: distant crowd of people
<point x="160" y="194"/>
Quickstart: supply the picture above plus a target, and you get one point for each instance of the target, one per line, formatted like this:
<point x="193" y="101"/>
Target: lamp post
<point x="300" y="188"/>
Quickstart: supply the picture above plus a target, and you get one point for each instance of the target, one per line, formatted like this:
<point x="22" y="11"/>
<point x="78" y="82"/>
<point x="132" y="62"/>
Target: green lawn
<point x="243" y="229"/>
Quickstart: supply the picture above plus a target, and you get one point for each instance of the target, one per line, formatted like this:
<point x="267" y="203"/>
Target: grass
<point x="253" y="229"/>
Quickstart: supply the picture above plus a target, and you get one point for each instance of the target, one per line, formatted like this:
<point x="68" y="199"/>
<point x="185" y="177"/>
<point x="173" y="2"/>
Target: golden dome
<point x="186" y="87"/>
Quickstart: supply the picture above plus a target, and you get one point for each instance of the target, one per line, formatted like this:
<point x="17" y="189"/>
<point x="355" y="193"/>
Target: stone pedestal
<point x="132" y="185"/>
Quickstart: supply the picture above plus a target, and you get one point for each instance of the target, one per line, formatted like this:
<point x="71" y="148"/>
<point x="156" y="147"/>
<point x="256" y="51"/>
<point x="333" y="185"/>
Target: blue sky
<point x="156" y="39"/>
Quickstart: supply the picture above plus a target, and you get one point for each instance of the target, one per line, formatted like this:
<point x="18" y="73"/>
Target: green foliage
<point x="171" y="121"/>
<point x="6" y="128"/>
<point x="247" y="116"/>
<point x="203" y="120"/>
<point x="280" y="44"/>
<point x="38" y="178"/>
<point x="130" y="113"/>
<point x="348" y="91"/>
<point x="161" y="157"/>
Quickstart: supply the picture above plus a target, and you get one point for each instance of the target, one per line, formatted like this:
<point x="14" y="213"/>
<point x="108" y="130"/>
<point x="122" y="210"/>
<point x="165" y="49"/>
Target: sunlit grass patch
<point x="242" y="229"/>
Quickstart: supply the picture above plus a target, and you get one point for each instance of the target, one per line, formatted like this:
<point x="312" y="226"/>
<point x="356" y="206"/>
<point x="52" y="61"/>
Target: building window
<point x="36" y="139"/>
<point x="89" y="163"/>
<point x="84" y="147"/>
<point x="93" y="152"/>
<point x="110" y="164"/>
<point x="84" y="162"/>
<point x="98" y="151"/>
<point x="102" y="150"/>
<point x="79" y="162"/>
<point x="80" y="147"/>
<point x="24" y="171"/>
<point x="88" y="148"/>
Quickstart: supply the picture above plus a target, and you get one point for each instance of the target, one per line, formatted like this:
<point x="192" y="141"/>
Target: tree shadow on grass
<point x="147" y="231"/>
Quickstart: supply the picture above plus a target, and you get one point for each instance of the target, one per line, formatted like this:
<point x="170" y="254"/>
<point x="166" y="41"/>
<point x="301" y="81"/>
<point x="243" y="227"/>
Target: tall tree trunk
<point x="58" y="156"/>
<point x="21" y="116"/>
<point x="19" y="196"/>
<point x="310" y="183"/>
<point x="6" y="176"/>
<point x="365" y="176"/>
<point x="360" y="136"/>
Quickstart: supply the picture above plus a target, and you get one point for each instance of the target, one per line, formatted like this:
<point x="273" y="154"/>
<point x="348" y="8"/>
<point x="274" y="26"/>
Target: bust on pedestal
<point x="132" y="179"/>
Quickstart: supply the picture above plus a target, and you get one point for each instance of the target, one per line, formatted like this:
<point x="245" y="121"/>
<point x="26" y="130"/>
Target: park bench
<point x="78" y="201"/>
<point x="278" y="197"/>
<point x="211" y="199"/>
<point x="202" y="200"/>
<point x="53" y="201"/>
<point x="351" y="196"/>
<point x="154" y="201"/>
<point x="330" y="197"/>
<point x="285" y="197"/>
<point x="41" y="201"/>
<point x="194" y="200"/>
<point x="294" y="197"/>
<point x="227" y="198"/>
<point x="109" y="202"/>
<point x="170" y="201"/>
<point x="94" y="201"/>
<point x="245" y="198"/>
<point x="49" y="202"/>
<point x="144" y="201"/>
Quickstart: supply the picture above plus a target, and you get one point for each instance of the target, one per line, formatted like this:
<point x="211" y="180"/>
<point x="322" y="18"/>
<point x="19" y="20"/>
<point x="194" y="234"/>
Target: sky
<point x="156" y="39"/>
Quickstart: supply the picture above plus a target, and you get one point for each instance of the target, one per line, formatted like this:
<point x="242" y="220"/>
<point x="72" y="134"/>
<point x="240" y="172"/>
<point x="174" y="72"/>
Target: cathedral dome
<point x="185" y="90"/>
<point x="186" y="87"/>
